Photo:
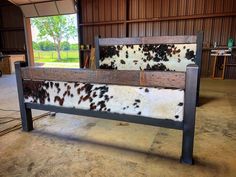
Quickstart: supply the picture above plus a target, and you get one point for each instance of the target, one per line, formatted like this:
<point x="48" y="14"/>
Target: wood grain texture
<point x="156" y="14"/>
<point x="116" y="77"/>
<point x="216" y="18"/>
<point x="149" y="40"/>
<point x="5" y="65"/>
<point x="190" y="8"/>
<point x="173" y="12"/>
<point x="11" y="28"/>
<point x="149" y="14"/>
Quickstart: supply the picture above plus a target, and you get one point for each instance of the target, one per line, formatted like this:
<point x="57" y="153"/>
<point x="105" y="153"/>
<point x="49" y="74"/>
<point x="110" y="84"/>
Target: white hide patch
<point x="144" y="101"/>
<point x="135" y="59"/>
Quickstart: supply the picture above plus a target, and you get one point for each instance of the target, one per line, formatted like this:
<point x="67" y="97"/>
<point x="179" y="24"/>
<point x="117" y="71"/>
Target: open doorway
<point x="55" y="41"/>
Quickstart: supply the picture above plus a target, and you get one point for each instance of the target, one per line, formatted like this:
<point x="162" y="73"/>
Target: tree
<point x="46" y="45"/>
<point x="65" y="45"/>
<point x="74" y="47"/>
<point x="36" y="46"/>
<point x="56" y="27"/>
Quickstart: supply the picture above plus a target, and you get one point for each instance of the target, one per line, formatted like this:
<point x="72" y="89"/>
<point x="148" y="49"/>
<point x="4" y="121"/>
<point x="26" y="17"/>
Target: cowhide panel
<point x="150" y="102"/>
<point x="174" y="57"/>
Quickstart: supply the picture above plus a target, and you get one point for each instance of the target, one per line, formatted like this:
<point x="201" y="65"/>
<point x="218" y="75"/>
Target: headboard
<point x="161" y="53"/>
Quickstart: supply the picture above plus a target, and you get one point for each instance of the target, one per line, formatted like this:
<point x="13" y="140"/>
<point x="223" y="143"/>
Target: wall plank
<point x="157" y="4"/>
<point x="165" y="13"/>
<point x="173" y="12"/>
<point x="134" y="30"/>
<point x="114" y="13"/>
<point x="122" y="16"/>
<point x="190" y="10"/>
<point x="181" y="12"/>
<point x="142" y="15"/>
<point x="95" y="17"/>
<point x="149" y="14"/>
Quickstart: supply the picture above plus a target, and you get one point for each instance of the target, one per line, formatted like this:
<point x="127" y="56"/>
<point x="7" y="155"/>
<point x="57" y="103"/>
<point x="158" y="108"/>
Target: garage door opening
<point x="55" y="41"/>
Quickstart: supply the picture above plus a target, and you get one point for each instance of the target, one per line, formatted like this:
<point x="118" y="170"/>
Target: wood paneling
<point x="173" y="13"/>
<point x="5" y="65"/>
<point x="12" y="38"/>
<point x="109" y="18"/>
<point x="157" y="14"/>
<point x="149" y="14"/>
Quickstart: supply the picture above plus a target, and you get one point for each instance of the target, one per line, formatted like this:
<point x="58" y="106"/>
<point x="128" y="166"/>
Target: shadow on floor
<point x="205" y="100"/>
<point x="150" y="155"/>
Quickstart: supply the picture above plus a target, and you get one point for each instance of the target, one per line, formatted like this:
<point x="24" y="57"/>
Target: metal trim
<point x="112" y="116"/>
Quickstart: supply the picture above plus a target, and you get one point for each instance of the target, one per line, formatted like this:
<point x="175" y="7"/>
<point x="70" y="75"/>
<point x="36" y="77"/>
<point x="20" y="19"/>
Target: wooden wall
<point x="130" y="18"/>
<point x="12" y="36"/>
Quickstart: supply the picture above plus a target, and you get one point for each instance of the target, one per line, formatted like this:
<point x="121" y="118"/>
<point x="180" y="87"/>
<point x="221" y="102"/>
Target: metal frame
<point x="26" y="115"/>
<point x="189" y="113"/>
<point x="80" y="31"/>
<point x="112" y="116"/>
<point x="187" y="125"/>
<point x="199" y="62"/>
<point x="97" y="51"/>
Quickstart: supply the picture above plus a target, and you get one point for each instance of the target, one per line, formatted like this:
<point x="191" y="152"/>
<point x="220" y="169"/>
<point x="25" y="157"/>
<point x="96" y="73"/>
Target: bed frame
<point x="153" y="40"/>
<point x="186" y="81"/>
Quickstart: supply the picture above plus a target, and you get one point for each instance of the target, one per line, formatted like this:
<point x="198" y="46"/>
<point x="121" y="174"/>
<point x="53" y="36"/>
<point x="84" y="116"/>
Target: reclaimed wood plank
<point x="116" y="77"/>
<point x="148" y="40"/>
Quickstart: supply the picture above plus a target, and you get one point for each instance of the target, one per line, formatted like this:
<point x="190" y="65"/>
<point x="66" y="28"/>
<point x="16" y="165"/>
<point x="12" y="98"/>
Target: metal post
<point x="97" y="51"/>
<point x="26" y="115"/>
<point x="80" y="31"/>
<point x="199" y="62"/>
<point x="191" y="85"/>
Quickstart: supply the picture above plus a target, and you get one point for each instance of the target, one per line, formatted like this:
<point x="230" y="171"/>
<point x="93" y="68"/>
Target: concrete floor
<point x="68" y="145"/>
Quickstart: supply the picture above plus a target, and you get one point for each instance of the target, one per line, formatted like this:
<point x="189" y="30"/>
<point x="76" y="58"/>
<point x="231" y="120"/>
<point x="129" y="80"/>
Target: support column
<point x="26" y="115"/>
<point x="80" y="31"/>
<point x="191" y="84"/>
<point x="29" y="42"/>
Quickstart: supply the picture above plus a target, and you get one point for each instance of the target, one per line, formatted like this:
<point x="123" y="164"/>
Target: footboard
<point x="165" y="99"/>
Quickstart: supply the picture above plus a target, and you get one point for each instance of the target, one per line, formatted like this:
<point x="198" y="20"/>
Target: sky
<point x="35" y="32"/>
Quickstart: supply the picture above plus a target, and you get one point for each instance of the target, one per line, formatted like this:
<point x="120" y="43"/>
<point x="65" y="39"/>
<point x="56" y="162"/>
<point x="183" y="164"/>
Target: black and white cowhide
<point x="171" y="57"/>
<point x="151" y="102"/>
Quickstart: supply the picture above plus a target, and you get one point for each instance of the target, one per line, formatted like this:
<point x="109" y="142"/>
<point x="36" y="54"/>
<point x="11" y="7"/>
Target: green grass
<point x="71" y="56"/>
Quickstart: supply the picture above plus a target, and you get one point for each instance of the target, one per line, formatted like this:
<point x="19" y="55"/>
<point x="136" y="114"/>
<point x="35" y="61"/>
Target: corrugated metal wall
<point x="120" y="18"/>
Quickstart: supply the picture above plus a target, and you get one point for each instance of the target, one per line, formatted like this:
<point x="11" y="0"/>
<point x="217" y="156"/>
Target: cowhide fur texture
<point x="163" y="57"/>
<point x="162" y="103"/>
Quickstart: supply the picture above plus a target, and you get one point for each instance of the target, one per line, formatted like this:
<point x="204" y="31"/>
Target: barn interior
<point x="75" y="145"/>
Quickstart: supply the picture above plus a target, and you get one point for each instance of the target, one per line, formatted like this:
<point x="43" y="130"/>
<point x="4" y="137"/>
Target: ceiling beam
<point x="30" y="2"/>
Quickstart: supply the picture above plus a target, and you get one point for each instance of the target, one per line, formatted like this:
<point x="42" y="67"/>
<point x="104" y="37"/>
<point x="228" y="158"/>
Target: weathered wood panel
<point x="132" y="78"/>
<point x="149" y="40"/>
